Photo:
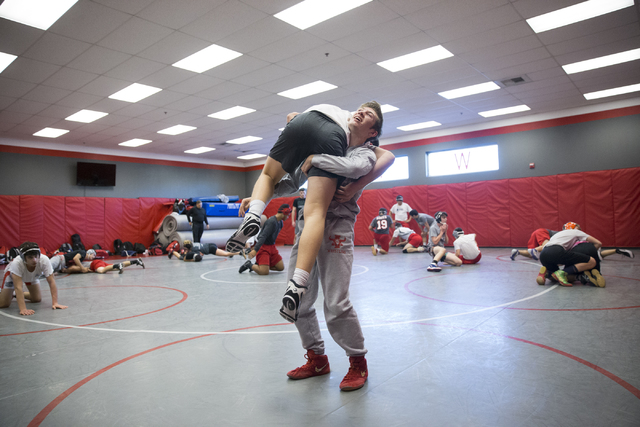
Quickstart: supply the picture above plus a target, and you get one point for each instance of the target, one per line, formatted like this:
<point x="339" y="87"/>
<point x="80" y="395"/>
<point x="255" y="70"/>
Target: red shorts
<point x="268" y="255"/>
<point x="471" y="261"/>
<point x="96" y="264"/>
<point x="415" y="240"/>
<point x="538" y="237"/>
<point x="382" y="240"/>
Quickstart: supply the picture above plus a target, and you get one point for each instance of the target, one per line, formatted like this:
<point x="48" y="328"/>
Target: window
<point x="466" y="160"/>
<point x="398" y="170"/>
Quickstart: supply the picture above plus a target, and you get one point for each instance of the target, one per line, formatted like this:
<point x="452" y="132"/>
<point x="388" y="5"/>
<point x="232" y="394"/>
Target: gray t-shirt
<point x="425" y="220"/>
<point x="434" y="231"/>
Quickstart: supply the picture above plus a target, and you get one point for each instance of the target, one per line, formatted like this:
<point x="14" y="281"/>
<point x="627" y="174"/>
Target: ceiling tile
<point x="216" y="25"/>
<point x="14" y="88"/>
<point x="173" y="48"/>
<point x="27" y="107"/>
<point x="16" y="38"/>
<point x="195" y="84"/>
<point x="443" y="13"/>
<point x="134" y="36"/>
<point x="287" y="47"/>
<point x="176" y="15"/>
<point x="260" y="33"/>
<point x="474" y="24"/>
<point x="104" y="86"/>
<point x="69" y="78"/>
<point x="127" y="6"/>
<point x="98" y="60"/>
<point x="134" y="69"/>
<point x="46" y="94"/>
<point x="56" y="49"/>
<point x="88" y="22"/>
<point x="29" y="70"/>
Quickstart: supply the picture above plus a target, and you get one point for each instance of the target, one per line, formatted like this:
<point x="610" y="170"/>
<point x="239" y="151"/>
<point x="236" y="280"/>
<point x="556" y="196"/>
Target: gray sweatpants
<point x="333" y="268"/>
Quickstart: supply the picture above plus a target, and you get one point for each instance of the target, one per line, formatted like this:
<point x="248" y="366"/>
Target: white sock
<point x="375" y="246"/>
<point x="256" y="207"/>
<point x="300" y="277"/>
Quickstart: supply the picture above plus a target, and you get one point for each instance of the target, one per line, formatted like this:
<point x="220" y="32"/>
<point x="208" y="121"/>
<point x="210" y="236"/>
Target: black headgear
<point x="439" y="216"/>
<point x="382" y="211"/>
<point x="28" y="247"/>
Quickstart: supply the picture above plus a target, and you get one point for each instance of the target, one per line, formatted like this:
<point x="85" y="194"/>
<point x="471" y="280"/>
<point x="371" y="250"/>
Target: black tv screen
<point x="96" y="175"/>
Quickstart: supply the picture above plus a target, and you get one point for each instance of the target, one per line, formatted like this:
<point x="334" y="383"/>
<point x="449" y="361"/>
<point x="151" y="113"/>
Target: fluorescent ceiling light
<point x="307" y="90"/>
<point x="135" y="92"/>
<point x="35" y="13"/>
<point x="244" y="140"/>
<point x="417" y="126"/>
<point x="50" y="132"/>
<point x="603" y="61"/>
<point x="252" y="156"/>
<point x="232" y="112"/>
<point x="207" y="58"/>
<point x="386" y="108"/>
<point x="414" y="59"/>
<point x="135" y="142"/>
<point x="612" y="92"/>
<point x="5" y="60"/>
<point x="86" y="116"/>
<point x="311" y="12"/>
<point x="469" y="90"/>
<point x="503" y="111"/>
<point x="176" y="130"/>
<point x="199" y="150"/>
<point x="576" y="13"/>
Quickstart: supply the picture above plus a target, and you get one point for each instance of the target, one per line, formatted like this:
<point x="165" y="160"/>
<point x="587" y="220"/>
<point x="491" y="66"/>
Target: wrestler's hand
<point x="344" y="193"/>
<point x="26" y="312"/>
<point x="59" y="306"/>
<point x="307" y="165"/>
<point x="244" y="205"/>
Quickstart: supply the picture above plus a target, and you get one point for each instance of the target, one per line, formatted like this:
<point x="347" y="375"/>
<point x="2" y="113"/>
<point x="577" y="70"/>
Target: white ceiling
<point x="99" y="47"/>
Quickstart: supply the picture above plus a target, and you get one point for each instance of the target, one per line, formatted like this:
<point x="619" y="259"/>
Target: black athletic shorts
<point x="553" y="255"/>
<point x="588" y="248"/>
<point x="309" y="133"/>
<point x="208" y="248"/>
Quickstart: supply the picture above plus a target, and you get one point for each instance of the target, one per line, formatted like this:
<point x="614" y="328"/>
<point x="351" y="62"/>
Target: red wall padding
<point x="51" y="220"/>
<point x="503" y="213"/>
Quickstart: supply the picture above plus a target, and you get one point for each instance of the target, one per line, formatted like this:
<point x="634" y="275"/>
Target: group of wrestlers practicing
<point x="337" y="152"/>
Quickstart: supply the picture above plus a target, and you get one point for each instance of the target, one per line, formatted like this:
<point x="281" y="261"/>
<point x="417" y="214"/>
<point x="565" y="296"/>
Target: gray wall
<point x="596" y="145"/>
<point x="56" y="176"/>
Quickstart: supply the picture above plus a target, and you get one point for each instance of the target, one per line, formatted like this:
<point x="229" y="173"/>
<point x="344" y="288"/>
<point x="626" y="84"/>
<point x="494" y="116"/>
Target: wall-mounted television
<point x="96" y="175"/>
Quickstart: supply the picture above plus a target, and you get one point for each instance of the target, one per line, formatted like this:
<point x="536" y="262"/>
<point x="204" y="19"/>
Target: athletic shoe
<point x="138" y="262"/>
<point x="357" y="375"/>
<point x="561" y="277"/>
<point x="244" y="267"/>
<point x="586" y="280"/>
<point x="170" y="254"/>
<point x="434" y="267"/>
<point x="374" y="251"/>
<point x="514" y="254"/>
<point x="250" y="227"/>
<point x="317" y="364"/>
<point x="420" y="249"/>
<point x="291" y="301"/>
<point x="596" y="278"/>
<point x="120" y="267"/>
<point x="600" y="254"/>
<point x="542" y="276"/>
<point x="625" y="252"/>
<point x="534" y="254"/>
